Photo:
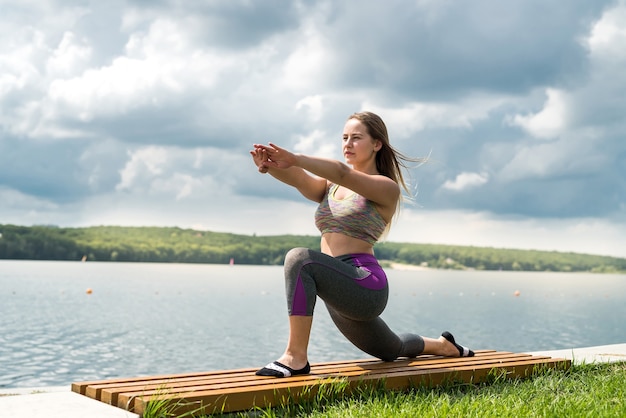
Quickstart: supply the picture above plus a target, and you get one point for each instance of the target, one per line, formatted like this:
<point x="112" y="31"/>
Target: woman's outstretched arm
<point x="377" y="188"/>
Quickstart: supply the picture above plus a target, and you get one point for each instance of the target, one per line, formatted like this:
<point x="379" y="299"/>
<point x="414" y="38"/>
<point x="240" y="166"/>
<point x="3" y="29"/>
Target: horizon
<point x="253" y="235"/>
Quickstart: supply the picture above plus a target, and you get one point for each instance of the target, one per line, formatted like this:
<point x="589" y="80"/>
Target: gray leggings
<point x="354" y="289"/>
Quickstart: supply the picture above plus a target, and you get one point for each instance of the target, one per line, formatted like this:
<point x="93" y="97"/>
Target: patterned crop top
<point x="354" y="216"/>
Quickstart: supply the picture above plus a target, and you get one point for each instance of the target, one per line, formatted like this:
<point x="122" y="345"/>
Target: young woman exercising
<point x="357" y="201"/>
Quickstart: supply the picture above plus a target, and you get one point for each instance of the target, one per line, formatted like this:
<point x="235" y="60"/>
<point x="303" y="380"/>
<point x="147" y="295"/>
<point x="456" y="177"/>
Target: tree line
<point x="178" y="245"/>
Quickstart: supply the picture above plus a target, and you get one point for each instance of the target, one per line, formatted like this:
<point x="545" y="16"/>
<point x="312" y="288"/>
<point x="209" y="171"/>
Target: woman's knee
<point x="296" y="257"/>
<point x="295" y="260"/>
<point x="300" y="286"/>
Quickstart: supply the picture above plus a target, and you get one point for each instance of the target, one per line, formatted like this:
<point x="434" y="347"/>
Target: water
<point x="146" y="319"/>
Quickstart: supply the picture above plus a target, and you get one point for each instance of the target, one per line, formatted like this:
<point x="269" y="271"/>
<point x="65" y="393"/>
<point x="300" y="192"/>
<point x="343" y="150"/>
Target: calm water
<point x="144" y="319"/>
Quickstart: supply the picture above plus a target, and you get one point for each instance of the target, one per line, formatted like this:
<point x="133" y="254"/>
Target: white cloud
<point x="313" y="105"/>
<point x="18" y="201"/>
<point x="466" y="180"/>
<point x="70" y="57"/>
<point x="162" y="68"/>
<point x="463" y="114"/>
<point x="551" y="121"/>
<point x="143" y="165"/>
<point x="172" y="173"/>
<point x="158" y="68"/>
<point x="577" y="154"/>
<point x="309" y="63"/>
<point x="317" y="143"/>
<point x="608" y="35"/>
<point x="178" y="185"/>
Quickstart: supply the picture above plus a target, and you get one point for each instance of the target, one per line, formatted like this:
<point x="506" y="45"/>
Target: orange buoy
<point x="517" y="293"/>
<point x="89" y="291"/>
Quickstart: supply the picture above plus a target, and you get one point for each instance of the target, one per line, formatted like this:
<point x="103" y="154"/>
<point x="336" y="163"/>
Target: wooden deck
<point x="238" y="390"/>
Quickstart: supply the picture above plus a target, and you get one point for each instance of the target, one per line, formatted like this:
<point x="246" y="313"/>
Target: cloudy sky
<point x="143" y="112"/>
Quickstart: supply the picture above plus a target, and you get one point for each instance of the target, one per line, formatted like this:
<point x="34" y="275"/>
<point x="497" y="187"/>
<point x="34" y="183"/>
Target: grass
<point x="162" y="407"/>
<point x="591" y="390"/>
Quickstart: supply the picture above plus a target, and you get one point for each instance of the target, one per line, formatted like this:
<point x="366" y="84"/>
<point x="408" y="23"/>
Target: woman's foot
<point x="461" y="351"/>
<point x="287" y="365"/>
<point x="278" y="369"/>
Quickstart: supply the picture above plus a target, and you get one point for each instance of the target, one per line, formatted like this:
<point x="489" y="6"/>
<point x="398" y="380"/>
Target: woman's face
<point x="358" y="146"/>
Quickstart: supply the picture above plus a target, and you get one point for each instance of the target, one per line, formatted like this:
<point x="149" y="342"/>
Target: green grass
<point x="587" y="390"/>
<point x="161" y="407"/>
<point x="592" y="390"/>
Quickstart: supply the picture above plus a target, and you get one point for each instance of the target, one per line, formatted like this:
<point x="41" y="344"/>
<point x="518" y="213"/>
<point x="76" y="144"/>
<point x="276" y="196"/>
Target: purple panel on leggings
<point x="372" y="281"/>
<point x="377" y="279"/>
<point x="298" y="306"/>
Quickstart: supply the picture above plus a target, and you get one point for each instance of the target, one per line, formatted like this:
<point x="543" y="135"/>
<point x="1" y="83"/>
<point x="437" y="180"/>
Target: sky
<point x="142" y="113"/>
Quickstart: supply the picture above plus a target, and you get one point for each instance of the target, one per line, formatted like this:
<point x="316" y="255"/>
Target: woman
<point x="357" y="201"/>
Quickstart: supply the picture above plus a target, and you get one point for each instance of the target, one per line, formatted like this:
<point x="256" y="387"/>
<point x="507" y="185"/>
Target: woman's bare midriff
<point x="336" y="244"/>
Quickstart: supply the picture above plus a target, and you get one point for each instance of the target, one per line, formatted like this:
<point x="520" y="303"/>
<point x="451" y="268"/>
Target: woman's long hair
<point x="389" y="161"/>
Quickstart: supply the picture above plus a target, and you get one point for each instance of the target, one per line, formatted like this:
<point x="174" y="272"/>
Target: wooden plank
<point x="242" y="383"/>
<point x="108" y="392"/>
<point x="241" y="389"/>
<point x="81" y="387"/>
<point x="184" y="385"/>
<point x="94" y="389"/>
<point x="281" y="393"/>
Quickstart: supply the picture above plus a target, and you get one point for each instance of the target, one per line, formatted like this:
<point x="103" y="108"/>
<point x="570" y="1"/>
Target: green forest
<point x="177" y="245"/>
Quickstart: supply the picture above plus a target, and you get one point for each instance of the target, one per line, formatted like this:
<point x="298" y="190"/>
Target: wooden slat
<point x="107" y="392"/>
<point x="241" y="389"/>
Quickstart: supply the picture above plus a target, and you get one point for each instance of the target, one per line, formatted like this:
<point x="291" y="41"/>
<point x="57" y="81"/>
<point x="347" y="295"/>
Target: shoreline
<point x="405" y="267"/>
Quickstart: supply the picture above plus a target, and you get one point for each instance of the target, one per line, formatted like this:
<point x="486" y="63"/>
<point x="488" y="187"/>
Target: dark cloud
<point x="245" y="23"/>
<point x="48" y="169"/>
<point x="228" y="24"/>
<point x="447" y="49"/>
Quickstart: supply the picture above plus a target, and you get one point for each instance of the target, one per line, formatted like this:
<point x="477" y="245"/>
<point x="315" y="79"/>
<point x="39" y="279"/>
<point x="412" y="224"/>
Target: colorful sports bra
<point x="354" y="216"/>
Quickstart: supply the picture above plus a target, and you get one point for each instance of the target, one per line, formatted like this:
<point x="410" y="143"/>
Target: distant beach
<point x="402" y="266"/>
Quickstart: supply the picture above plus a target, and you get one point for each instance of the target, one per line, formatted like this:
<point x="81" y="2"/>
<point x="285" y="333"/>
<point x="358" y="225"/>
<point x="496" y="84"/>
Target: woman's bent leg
<point x="354" y="289"/>
<point x="376" y="339"/>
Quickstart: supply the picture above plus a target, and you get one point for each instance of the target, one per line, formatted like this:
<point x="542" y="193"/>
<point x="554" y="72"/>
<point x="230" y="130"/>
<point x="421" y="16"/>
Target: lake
<point x="149" y="318"/>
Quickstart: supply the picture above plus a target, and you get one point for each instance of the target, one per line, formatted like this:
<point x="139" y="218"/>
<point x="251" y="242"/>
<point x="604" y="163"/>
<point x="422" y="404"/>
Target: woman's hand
<point x="259" y="156"/>
<point x="277" y="157"/>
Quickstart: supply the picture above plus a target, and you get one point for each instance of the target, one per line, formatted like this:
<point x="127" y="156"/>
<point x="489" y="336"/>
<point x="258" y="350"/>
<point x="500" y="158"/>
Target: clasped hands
<point x="271" y="155"/>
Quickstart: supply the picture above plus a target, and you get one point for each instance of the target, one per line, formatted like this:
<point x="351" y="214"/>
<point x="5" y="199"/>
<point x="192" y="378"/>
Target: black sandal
<point x="463" y="351"/>
<point x="277" y="369"/>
